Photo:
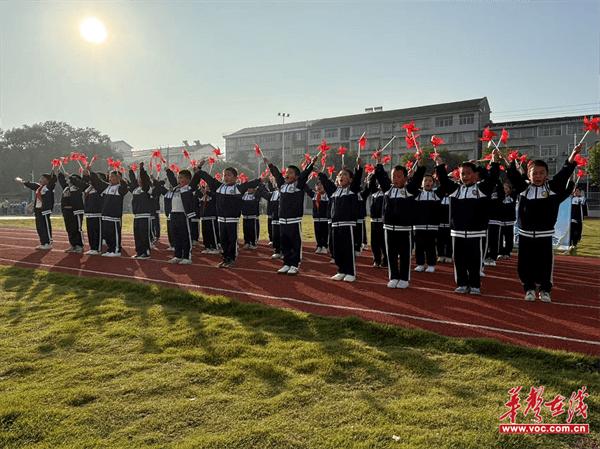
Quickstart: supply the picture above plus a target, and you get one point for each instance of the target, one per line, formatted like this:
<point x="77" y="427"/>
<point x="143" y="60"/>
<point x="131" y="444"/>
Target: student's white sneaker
<point x="174" y="260"/>
<point x="475" y="291"/>
<point x="205" y="251"/>
<point x="349" y="278"/>
<point x="402" y="284"/>
<point x="253" y="247"/>
<point x="284" y="269"/>
<point x="293" y="270"/>
<point x="420" y="268"/>
<point x="338" y="276"/>
<point x="489" y="263"/>
<point x="275" y="256"/>
<point x="185" y="262"/>
<point x="318" y="250"/>
<point x="47" y="246"/>
<point x="545" y="297"/>
<point x="332" y="260"/>
<point x="530" y="295"/>
<point x="246" y="246"/>
<point x="430" y="270"/>
<point x="270" y="243"/>
<point x="482" y="274"/>
<point x="356" y="253"/>
<point x="448" y="259"/>
<point x="92" y="252"/>
<point x="153" y="247"/>
<point x="69" y="250"/>
<point x="393" y="283"/>
<point x="78" y="249"/>
<point x="108" y="254"/>
<point x="461" y="289"/>
<point x="170" y="248"/>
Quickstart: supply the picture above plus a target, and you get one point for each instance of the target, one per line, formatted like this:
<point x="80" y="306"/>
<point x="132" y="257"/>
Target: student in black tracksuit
<point x="344" y="203"/>
<point x="195" y="221"/>
<point x="112" y="193"/>
<point x="359" y="229"/>
<point x="271" y="194"/>
<point x="208" y="220"/>
<point x="251" y="217"/>
<point x="143" y="206"/>
<point x="507" y="219"/>
<point x="579" y="210"/>
<point x="159" y="188"/>
<point x="377" y="232"/>
<point x="469" y="215"/>
<point x="539" y="201"/>
<point x="494" y="225"/>
<point x="92" y="208"/>
<point x="444" y="241"/>
<point x="42" y="207"/>
<point x="291" y="211"/>
<point x="155" y="193"/>
<point x="71" y="204"/>
<point x="426" y="226"/>
<point x="182" y="211"/>
<point x="320" y="214"/>
<point x="229" y="208"/>
<point x="398" y="219"/>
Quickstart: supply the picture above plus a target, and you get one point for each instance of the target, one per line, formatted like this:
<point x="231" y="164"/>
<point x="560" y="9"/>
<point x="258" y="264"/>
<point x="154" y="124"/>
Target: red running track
<point x="571" y="322"/>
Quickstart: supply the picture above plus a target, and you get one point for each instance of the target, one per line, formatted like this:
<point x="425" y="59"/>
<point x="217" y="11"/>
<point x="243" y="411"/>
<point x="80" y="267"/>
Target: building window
<point x="464" y="137"/>
<point x="331" y="133"/>
<point x="357" y="131"/>
<point x="548" y="150"/>
<point x="298" y="136"/>
<point x="441" y="122"/>
<point x="374" y="129"/>
<point x="298" y="150"/>
<point x="550" y="130"/>
<point x="315" y="135"/>
<point x="345" y="133"/>
<point x="388" y="128"/>
<point x="466" y="119"/>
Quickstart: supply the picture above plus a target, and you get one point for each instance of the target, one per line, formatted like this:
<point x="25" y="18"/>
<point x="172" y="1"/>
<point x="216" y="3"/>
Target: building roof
<point x="537" y="121"/>
<point x="440" y="108"/>
<point x="121" y="142"/>
<point x="271" y="128"/>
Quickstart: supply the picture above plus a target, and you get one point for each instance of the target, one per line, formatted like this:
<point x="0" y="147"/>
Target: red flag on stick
<point x="487" y="134"/>
<point x="437" y="141"/>
<point x="504" y="136"/>
<point x="217" y="151"/>
<point x="257" y="150"/>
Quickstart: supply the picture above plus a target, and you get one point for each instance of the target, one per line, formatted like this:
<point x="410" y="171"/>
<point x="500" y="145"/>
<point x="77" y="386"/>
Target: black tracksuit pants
<point x="321" y="233"/>
<point x="344" y="247"/>
<point x="493" y="241"/>
<point x="251" y="230"/>
<point x="575" y="232"/>
<point x="94" y="232"/>
<point x="43" y="226"/>
<point x="468" y="254"/>
<point x="425" y="247"/>
<point x="111" y="233"/>
<point x="210" y="233"/>
<point x="156" y="226"/>
<point x="444" y="242"/>
<point x="73" y="227"/>
<point x="398" y="245"/>
<point x="507" y="240"/>
<point x="228" y="233"/>
<point x="142" y="235"/>
<point x="182" y="238"/>
<point x="536" y="262"/>
<point x="378" y="243"/>
<point x="291" y="243"/>
<point x="276" y="237"/>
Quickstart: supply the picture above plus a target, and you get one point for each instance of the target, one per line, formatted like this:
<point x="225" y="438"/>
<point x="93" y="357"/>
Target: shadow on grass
<point x="336" y="338"/>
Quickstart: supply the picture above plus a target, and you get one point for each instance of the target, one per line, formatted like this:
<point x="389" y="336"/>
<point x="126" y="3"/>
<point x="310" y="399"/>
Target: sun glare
<point x="93" y="30"/>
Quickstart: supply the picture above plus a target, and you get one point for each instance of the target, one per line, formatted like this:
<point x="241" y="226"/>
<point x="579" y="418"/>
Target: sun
<point x="93" y="30"/>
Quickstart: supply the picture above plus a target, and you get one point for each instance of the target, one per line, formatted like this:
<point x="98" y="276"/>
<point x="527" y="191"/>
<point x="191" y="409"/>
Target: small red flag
<point x="323" y="148"/>
<point x="580" y="160"/>
<point x="218" y="176"/>
<point x="591" y="124"/>
<point x="362" y="142"/>
<point x="243" y="178"/>
<point x="504" y="136"/>
<point x="410" y="143"/>
<point x="173" y="167"/>
<point x="158" y="167"/>
<point x="257" y="150"/>
<point x="410" y="128"/>
<point x="487" y="134"/>
<point x="437" y="141"/>
<point x="581" y="173"/>
<point x="133" y="166"/>
<point x="313" y="174"/>
<point x="369" y="168"/>
<point x="455" y="173"/>
<point x="409" y="164"/>
<point x="387" y="158"/>
<point x="186" y="154"/>
<point x="513" y="155"/>
<point x="217" y="151"/>
<point x="330" y="170"/>
<point x="211" y="161"/>
<point x="55" y="162"/>
<point x="342" y="150"/>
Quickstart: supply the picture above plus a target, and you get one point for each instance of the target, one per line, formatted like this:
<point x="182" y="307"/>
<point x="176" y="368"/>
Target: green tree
<point x="29" y="149"/>
<point x="594" y="164"/>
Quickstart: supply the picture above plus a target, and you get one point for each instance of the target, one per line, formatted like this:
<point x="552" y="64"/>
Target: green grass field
<point x="589" y="246"/>
<point x="94" y="363"/>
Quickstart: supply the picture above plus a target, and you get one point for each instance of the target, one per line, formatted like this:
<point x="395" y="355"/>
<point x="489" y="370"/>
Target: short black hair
<point x="350" y="172"/>
<point x="470" y="165"/>
<point x="402" y="168"/>
<point x="295" y="168"/>
<point x="47" y="176"/>
<point x="231" y="170"/>
<point x="115" y="172"/>
<point x="102" y="176"/>
<point x="186" y="173"/>
<point x="540" y="163"/>
<point x="428" y="175"/>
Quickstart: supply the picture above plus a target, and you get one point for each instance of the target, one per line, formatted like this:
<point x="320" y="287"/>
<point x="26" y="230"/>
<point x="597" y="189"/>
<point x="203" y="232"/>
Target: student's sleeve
<point x="446" y="185"/>
<point x="584" y="208"/>
<point x="277" y="175"/>
<point x="212" y="182"/>
<point x="133" y="182"/>
<point x="171" y="177"/>
<point x="31" y="185"/>
<point x="195" y="180"/>
<point x="248" y="185"/>
<point x="415" y="182"/>
<point x="560" y="180"/>
<point x="328" y="184"/>
<point x="264" y="192"/>
<point x="303" y="178"/>
<point x="356" y="180"/>
<point x="160" y="188"/>
<point x="309" y="192"/>
<point x="52" y="182"/>
<point x="488" y="185"/>
<point x="97" y="183"/>
<point x="382" y="178"/>
<point x="123" y="188"/>
<point x="80" y="183"/>
<point x="515" y="178"/>
<point x="62" y="180"/>
<point x="145" y="181"/>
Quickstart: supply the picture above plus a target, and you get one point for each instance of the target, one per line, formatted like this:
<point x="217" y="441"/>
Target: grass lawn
<point x="589" y="246"/>
<point x="95" y="363"/>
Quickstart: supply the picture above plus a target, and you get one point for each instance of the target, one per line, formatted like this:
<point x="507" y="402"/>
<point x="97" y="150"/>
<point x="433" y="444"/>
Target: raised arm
<point x="97" y="183"/>
<point x="357" y="179"/>
<point x="62" y="180"/>
<point x="276" y="174"/>
<point x="133" y="182"/>
<point x="516" y="179"/>
<point x="447" y="186"/>
<point x="309" y="192"/>
<point x="559" y="182"/>
<point x="145" y="181"/>
<point x="80" y="183"/>
<point x="171" y="177"/>
<point x="382" y="178"/>
<point x="488" y="185"/>
<point x="414" y="185"/>
<point x="328" y="184"/>
<point x="248" y="185"/>
<point x="303" y="178"/>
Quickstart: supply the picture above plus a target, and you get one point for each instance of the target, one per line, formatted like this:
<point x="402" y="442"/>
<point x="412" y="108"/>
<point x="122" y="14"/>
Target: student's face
<point x="114" y="179"/>
<point x="183" y="180"/>
<point x="427" y="183"/>
<point x="507" y="189"/>
<point x="290" y="176"/>
<point x="229" y="178"/>
<point x="398" y="178"/>
<point x="468" y="176"/>
<point x="537" y="175"/>
<point x="251" y="191"/>
<point x="320" y="188"/>
<point x="43" y="181"/>
<point x="343" y="179"/>
<point x="577" y="192"/>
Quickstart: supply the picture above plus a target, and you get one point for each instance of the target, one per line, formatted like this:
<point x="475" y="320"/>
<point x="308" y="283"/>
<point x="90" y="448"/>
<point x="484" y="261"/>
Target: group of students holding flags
<point x="466" y="216"/>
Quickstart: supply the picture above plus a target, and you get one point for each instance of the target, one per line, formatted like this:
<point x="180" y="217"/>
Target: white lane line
<point x="316" y="304"/>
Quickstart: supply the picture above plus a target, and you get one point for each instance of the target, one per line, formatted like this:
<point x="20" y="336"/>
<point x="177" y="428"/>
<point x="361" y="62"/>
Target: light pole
<point x="283" y="115"/>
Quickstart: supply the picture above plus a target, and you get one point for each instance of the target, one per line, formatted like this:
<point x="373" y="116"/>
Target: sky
<point x="175" y="70"/>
